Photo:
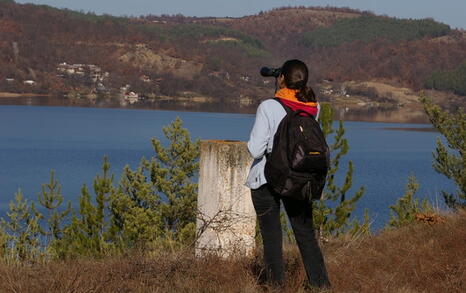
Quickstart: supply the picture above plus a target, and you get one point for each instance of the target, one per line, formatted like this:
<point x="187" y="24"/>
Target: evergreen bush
<point x="332" y="214"/>
<point x="450" y="159"/>
<point x="20" y="232"/>
<point x="407" y="206"/>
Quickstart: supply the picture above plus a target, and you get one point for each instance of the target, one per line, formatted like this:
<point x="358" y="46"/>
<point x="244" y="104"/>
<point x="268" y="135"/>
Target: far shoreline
<point x="19" y="95"/>
<point x="400" y="116"/>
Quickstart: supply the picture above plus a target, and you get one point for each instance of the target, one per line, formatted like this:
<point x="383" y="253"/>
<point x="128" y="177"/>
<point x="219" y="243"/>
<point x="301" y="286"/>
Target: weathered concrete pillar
<point x="226" y="216"/>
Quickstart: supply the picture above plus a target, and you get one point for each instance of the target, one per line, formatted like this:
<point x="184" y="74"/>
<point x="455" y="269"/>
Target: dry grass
<point x="419" y="258"/>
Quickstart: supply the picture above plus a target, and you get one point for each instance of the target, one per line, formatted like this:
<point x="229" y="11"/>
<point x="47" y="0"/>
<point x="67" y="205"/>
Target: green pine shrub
<point x="156" y="203"/>
<point x="134" y="207"/>
<point x="332" y="213"/>
<point x="54" y="216"/>
<point x="19" y="233"/>
<point x="404" y="211"/>
<point x="450" y="159"/>
<point x="88" y="232"/>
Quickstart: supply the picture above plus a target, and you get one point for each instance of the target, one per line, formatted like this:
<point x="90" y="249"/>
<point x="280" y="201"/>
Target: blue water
<point x="73" y="141"/>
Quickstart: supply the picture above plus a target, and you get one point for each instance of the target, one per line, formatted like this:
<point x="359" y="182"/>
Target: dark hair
<point x="296" y="74"/>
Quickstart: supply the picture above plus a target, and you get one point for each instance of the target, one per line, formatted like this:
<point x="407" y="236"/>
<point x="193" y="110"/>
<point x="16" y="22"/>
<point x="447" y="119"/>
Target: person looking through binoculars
<point x="301" y="176"/>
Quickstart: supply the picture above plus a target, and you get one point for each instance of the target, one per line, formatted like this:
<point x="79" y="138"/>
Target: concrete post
<point x="226" y="217"/>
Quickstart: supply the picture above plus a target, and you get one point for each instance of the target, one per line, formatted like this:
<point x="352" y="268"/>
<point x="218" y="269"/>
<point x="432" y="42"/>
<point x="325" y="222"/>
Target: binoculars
<point x="268" y="72"/>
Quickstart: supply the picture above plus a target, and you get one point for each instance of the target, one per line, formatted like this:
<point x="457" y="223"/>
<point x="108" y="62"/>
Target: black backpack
<point x="298" y="164"/>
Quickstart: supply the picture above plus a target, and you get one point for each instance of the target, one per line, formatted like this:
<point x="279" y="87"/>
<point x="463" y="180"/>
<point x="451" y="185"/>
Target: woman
<point x="293" y="93"/>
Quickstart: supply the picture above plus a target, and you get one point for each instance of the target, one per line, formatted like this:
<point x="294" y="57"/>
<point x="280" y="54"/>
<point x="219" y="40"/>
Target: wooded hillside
<point x="219" y="57"/>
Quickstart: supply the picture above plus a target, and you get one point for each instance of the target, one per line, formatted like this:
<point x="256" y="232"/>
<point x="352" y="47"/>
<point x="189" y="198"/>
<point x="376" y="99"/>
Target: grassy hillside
<point x="417" y="258"/>
<point x="217" y="57"/>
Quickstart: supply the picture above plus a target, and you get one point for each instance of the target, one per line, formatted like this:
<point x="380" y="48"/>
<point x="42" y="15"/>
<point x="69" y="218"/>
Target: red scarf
<point x="288" y="98"/>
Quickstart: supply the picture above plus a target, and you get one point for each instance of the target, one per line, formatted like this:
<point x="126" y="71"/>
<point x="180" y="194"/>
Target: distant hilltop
<point x="218" y="59"/>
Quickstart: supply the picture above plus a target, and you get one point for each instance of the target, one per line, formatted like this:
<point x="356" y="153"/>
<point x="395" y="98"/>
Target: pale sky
<point x="452" y="12"/>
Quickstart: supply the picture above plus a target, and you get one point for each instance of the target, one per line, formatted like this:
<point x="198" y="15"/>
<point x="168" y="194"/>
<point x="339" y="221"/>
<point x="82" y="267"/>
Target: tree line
<point x="448" y="80"/>
<point x="368" y="28"/>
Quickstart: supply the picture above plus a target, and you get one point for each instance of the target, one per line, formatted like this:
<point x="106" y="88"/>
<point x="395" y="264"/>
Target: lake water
<point x="73" y="141"/>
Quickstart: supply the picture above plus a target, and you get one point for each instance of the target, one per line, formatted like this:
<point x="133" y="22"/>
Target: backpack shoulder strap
<point x="287" y="109"/>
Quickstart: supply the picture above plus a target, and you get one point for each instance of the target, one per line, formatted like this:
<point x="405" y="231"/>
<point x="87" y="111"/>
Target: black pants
<point x="267" y="206"/>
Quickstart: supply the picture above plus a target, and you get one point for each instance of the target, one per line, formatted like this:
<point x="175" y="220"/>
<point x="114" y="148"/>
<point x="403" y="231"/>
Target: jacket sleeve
<point x="260" y="134"/>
